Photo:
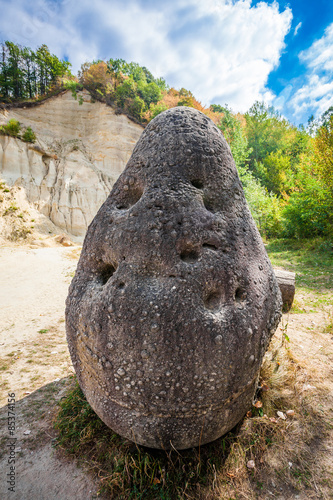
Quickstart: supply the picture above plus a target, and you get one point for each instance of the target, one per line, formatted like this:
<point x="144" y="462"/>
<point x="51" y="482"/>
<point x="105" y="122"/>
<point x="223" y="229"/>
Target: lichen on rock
<point x="174" y="300"/>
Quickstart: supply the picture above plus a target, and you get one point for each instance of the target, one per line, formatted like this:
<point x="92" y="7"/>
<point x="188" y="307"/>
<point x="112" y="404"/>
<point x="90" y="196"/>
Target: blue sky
<point x="225" y="51"/>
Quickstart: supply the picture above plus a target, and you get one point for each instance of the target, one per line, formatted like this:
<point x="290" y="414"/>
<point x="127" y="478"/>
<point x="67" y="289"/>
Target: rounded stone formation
<point x="174" y="300"/>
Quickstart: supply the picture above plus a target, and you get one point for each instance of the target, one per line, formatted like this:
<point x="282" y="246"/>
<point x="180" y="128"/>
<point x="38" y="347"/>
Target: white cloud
<point x="314" y="93"/>
<point x="222" y="50"/>
<point x="320" y="55"/>
<point x="296" y="30"/>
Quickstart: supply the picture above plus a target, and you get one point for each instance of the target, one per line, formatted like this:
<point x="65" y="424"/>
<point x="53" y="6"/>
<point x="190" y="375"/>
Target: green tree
<point x="29" y="71"/>
<point x="25" y="73"/>
<point x="126" y="90"/>
<point x="157" y="109"/>
<point x="217" y="108"/>
<point x="265" y="207"/>
<point x="235" y="136"/>
<point x="323" y="147"/>
<point x="275" y="172"/>
<point x="50" y="68"/>
<point x="14" y="70"/>
<point x="162" y="84"/>
<point x="137" y="107"/>
<point x="266" y="132"/>
<point x="4" y="76"/>
<point x="151" y="93"/>
<point x="309" y="211"/>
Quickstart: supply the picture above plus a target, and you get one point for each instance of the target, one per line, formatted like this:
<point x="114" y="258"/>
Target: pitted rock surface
<point x="174" y="300"/>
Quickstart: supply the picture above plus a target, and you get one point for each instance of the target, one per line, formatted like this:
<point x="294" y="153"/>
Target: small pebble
<point x="251" y="464"/>
<point x="308" y="387"/>
<point x="280" y="414"/>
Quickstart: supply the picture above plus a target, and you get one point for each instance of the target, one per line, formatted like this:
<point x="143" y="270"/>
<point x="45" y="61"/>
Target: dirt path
<point x="33" y="289"/>
<point x="35" y="365"/>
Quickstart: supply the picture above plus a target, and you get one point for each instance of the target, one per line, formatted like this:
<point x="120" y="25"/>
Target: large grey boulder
<point x="174" y="300"/>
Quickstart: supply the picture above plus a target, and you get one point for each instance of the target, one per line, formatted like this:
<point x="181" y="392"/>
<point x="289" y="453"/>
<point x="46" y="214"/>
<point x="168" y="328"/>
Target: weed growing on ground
<point x="329" y="322"/>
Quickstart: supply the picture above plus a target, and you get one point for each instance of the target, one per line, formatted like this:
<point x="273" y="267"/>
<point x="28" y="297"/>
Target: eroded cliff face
<point x="79" y="153"/>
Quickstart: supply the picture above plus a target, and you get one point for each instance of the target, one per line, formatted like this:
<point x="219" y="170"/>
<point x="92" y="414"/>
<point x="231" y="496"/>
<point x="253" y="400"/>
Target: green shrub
<point x="266" y="208"/>
<point x="157" y="109"/>
<point x="309" y="212"/>
<point x="12" y="128"/>
<point x="73" y="86"/>
<point x="137" y="107"/>
<point x="29" y="135"/>
<point x="127" y="90"/>
<point x="151" y="93"/>
<point x="186" y="101"/>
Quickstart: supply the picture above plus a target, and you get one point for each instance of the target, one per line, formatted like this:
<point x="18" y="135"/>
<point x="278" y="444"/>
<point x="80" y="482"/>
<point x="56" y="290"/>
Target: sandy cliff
<point x="79" y="153"/>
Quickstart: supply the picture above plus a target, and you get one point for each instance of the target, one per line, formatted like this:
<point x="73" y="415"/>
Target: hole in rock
<point x="189" y="255"/>
<point x="208" y="205"/>
<point x="130" y="197"/>
<point x="106" y="272"/>
<point x="121" y="285"/>
<point x="240" y="295"/>
<point x="197" y="183"/>
<point x="210" y="247"/>
<point x="213" y="301"/>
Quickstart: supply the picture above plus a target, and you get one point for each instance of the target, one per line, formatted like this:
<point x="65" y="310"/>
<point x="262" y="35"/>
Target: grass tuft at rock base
<point x="281" y="450"/>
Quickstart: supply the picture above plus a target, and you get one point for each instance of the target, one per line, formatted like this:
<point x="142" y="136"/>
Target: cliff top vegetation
<point x="286" y="171"/>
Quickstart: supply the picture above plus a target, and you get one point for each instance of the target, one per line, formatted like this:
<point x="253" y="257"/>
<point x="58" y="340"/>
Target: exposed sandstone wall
<point x="80" y="152"/>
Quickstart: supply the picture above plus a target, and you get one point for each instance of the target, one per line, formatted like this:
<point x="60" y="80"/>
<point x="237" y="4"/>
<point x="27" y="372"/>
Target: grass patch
<point x="329" y="322"/>
<point x="5" y="364"/>
<point x="127" y="470"/>
<point x="10" y="210"/>
<point x="311" y="260"/>
<point x="297" y="308"/>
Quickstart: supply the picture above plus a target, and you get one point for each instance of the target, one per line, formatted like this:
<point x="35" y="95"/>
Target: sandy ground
<point x="35" y="365"/>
